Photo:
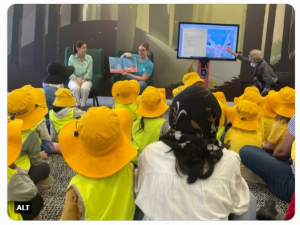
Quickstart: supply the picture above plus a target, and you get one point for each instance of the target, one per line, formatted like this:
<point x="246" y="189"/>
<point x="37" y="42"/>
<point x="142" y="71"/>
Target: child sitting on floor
<point x="98" y="148"/>
<point x="150" y="125"/>
<point x="20" y="187"/>
<point x="283" y="103"/>
<point x="244" y="131"/>
<point x="27" y="105"/>
<point x="124" y="93"/>
<point x="63" y="111"/>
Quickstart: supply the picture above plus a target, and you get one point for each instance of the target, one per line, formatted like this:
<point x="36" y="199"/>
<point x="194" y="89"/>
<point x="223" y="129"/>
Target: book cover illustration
<point x="120" y="65"/>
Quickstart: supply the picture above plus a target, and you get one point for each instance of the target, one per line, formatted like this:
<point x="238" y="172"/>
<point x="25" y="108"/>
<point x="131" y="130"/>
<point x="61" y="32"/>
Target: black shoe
<point x="268" y="211"/>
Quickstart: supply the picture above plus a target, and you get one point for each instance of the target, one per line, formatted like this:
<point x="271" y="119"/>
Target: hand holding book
<point x="121" y="65"/>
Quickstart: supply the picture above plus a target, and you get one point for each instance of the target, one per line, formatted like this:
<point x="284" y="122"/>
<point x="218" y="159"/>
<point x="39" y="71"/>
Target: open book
<point x="120" y="65"/>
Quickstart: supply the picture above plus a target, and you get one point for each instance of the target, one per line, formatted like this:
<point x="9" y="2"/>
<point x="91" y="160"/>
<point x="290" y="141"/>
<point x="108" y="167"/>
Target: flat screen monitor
<point x="200" y="40"/>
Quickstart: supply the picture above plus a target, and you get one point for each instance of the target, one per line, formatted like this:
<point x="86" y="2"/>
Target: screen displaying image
<point x="199" y="40"/>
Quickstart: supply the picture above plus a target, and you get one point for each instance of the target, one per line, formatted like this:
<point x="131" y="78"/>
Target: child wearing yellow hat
<point x="99" y="150"/>
<point x="192" y="79"/>
<point x="20" y="187"/>
<point x="250" y="88"/>
<point x="177" y="90"/>
<point x="269" y="115"/>
<point x="124" y="93"/>
<point x="47" y="146"/>
<point x="244" y="131"/>
<point x="189" y="79"/>
<point x="29" y="106"/>
<point x="283" y="103"/>
<point x="150" y="126"/>
<point x="251" y="94"/>
<point x="63" y="111"/>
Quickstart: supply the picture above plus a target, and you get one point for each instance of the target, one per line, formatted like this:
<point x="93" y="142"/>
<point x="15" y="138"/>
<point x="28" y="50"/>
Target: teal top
<point x="142" y="67"/>
<point x="82" y="69"/>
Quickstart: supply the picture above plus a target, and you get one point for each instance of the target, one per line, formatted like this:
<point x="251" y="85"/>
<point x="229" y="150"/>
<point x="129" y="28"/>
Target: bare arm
<point x="72" y="209"/>
<point x="144" y="77"/>
<point x="283" y="151"/>
<point x="127" y="54"/>
<point x="269" y="146"/>
<point x="228" y="49"/>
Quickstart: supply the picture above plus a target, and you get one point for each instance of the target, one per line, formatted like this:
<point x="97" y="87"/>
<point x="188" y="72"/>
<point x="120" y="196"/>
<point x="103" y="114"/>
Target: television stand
<point x="203" y="70"/>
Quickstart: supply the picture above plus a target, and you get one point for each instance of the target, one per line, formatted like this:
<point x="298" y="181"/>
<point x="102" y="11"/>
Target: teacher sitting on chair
<point x="80" y="81"/>
<point x="144" y="66"/>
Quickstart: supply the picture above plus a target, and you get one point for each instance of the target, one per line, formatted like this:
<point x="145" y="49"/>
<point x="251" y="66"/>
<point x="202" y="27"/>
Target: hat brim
<point x="233" y="117"/>
<point x="191" y="82"/>
<point x="236" y="100"/>
<point x="37" y="114"/>
<point x="158" y="111"/>
<point x="281" y="109"/>
<point x="61" y="77"/>
<point x="32" y="119"/>
<point x="39" y="95"/>
<point x="14" y="141"/>
<point x="266" y="109"/>
<point x="126" y="99"/>
<point x="64" y="103"/>
<point x="105" y="165"/>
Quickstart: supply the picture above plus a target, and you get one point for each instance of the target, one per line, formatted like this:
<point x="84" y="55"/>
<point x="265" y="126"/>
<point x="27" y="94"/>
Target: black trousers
<point x="39" y="172"/>
<point x="37" y="205"/>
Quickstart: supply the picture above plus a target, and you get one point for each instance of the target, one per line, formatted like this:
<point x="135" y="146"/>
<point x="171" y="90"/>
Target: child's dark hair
<point x="57" y="109"/>
<point x="284" y="119"/>
<point x="77" y="44"/>
<point x="141" y="126"/>
<point x="197" y="162"/>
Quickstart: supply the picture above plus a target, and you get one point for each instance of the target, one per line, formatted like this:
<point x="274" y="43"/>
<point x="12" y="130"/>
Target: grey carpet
<point x="54" y="197"/>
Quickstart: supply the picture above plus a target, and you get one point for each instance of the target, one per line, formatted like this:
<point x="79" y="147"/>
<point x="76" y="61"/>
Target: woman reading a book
<point x="80" y="81"/>
<point x="144" y="66"/>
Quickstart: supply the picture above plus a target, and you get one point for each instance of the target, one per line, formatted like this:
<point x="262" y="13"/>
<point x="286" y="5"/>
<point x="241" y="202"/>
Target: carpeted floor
<point x="54" y="197"/>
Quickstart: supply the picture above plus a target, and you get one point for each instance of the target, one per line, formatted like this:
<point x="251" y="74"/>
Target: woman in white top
<point x="188" y="175"/>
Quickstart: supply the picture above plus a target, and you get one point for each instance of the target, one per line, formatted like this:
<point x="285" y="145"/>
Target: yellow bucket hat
<point x="244" y="115"/>
<point x="191" y="78"/>
<point x="221" y="97"/>
<point x="153" y="103"/>
<point x="252" y="88"/>
<point x="177" y="90"/>
<point x="14" y="140"/>
<point x="283" y="102"/>
<point x="27" y="87"/>
<point x="28" y="105"/>
<point x="249" y="95"/>
<point x="125" y="91"/>
<point x="98" y="146"/>
<point x="222" y="117"/>
<point x="64" y="98"/>
<point x="162" y="90"/>
<point x="138" y="100"/>
<point x="38" y="93"/>
<point x="265" y="107"/>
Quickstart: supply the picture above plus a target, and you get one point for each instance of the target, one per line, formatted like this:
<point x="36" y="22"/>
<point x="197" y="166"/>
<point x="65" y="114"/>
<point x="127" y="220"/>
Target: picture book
<point x="120" y="65"/>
